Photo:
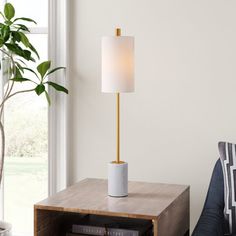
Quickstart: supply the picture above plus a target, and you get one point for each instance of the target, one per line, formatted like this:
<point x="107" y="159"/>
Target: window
<point x="36" y="165"/>
<point x="26" y="127"/>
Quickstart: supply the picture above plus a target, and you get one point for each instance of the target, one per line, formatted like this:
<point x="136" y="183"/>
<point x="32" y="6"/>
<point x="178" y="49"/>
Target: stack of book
<point x="111" y="226"/>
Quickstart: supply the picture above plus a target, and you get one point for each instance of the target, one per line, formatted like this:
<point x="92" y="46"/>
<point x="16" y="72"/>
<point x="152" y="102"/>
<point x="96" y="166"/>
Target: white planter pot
<point x="5" y="229"/>
<point x="118" y="179"/>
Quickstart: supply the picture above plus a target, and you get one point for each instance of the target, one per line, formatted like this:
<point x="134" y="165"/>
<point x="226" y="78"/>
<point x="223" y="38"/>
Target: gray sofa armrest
<point x="211" y="221"/>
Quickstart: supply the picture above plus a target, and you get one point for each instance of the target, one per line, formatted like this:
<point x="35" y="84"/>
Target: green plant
<point x="16" y="46"/>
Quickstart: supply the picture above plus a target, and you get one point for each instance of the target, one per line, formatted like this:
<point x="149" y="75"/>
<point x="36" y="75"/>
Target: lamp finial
<point x="118" y="31"/>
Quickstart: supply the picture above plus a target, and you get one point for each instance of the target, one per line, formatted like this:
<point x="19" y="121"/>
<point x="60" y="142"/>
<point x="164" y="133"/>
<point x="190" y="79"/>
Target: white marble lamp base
<point x="118" y="179"/>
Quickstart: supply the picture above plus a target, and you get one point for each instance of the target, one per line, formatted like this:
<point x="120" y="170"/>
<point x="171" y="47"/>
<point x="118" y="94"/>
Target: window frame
<point x="58" y="111"/>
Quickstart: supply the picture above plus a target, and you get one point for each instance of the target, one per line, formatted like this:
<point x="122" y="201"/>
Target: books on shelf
<point x="111" y="226"/>
<point x="101" y="231"/>
<point x="73" y="234"/>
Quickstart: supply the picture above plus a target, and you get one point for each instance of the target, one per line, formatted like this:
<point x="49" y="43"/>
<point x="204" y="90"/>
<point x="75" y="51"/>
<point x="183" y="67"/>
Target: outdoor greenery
<point x="18" y="50"/>
<point x="26" y="129"/>
<point x="32" y="173"/>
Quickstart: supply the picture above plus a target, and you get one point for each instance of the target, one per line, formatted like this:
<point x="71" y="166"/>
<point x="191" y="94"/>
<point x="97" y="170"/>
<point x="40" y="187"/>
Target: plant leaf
<point x="5" y="32"/>
<point x="16" y="36"/>
<point x="19" y="79"/>
<point x="21" y="61"/>
<point x="1" y="42"/>
<point x="25" y="19"/>
<point x="9" y="11"/>
<point x="25" y="68"/>
<point x="18" y="73"/>
<point x="32" y="59"/>
<point x="43" y="68"/>
<point x="12" y="47"/>
<point x="34" y="50"/>
<point x="19" y="51"/>
<point x="24" y="39"/>
<point x="22" y="27"/>
<point x="55" y="69"/>
<point x="48" y="97"/>
<point x="57" y="87"/>
<point x="19" y="66"/>
<point x="40" y="88"/>
<point x="27" y="55"/>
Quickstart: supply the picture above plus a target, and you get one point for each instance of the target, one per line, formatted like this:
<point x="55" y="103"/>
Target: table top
<point x="89" y="196"/>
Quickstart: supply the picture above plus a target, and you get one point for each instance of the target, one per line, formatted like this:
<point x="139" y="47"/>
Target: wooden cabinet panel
<point x="167" y="205"/>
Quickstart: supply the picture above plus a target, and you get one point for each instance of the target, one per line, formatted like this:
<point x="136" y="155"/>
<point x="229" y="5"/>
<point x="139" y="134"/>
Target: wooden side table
<point x="166" y="205"/>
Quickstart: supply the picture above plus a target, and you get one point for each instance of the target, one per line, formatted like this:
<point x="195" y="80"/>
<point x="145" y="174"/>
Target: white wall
<point x="185" y="98"/>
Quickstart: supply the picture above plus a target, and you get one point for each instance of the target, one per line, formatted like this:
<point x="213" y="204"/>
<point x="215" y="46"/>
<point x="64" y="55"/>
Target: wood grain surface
<point x="161" y="203"/>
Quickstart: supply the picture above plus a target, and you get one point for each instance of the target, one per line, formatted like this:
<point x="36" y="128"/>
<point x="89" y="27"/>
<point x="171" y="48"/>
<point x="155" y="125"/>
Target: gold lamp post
<point x="118" y="34"/>
<point x="117" y="77"/>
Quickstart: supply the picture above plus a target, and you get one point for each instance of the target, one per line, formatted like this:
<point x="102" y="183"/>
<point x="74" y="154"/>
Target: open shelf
<point x="57" y="223"/>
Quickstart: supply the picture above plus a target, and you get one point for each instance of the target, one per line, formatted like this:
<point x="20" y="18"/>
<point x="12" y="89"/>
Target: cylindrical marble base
<point x="118" y="179"/>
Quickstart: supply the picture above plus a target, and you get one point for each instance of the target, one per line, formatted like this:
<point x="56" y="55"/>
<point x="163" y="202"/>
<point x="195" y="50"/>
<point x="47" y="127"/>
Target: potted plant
<point x="17" y="49"/>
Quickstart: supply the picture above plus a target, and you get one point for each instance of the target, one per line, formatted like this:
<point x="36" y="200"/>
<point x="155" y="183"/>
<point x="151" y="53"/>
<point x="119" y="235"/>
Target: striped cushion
<point x="228" y="161"/>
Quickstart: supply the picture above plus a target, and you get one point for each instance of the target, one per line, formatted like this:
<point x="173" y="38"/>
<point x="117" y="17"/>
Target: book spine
<point x="91" y="230"/>
<point x="101" y="231"/>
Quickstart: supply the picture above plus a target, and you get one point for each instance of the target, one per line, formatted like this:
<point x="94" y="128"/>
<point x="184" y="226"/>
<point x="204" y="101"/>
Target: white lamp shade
<point x="117" y="64"/>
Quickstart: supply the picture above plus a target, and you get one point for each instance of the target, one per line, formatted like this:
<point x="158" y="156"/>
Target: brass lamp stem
<point x="118" y="128"/>
<point x="118" y="33"/>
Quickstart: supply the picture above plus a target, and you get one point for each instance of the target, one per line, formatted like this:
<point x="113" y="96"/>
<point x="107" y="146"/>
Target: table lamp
<point x="118" y="77"/>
